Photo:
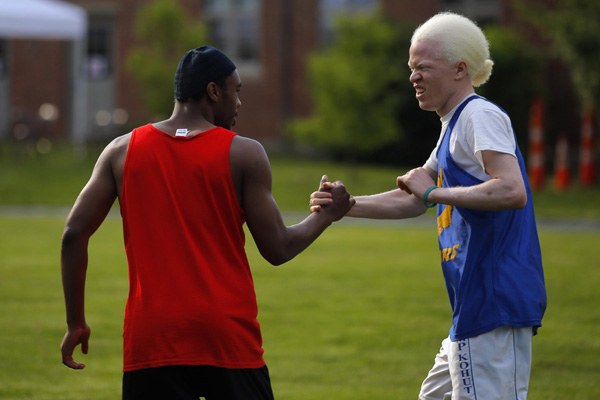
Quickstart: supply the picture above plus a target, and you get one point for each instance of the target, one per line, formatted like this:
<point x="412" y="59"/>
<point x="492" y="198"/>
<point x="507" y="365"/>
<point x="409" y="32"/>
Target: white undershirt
<point x="480" y="126"/>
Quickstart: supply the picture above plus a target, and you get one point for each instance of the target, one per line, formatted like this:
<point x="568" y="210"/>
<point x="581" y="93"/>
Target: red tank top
<point x="191" y="298"/>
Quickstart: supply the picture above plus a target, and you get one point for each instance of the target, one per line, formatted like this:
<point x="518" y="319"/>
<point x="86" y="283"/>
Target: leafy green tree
<point x="365" y="105"/>
<point x="164" y="32"/>
<point x="573" y="26"/>
<point x="516" y="77"/>
<point x="358" y="86"/>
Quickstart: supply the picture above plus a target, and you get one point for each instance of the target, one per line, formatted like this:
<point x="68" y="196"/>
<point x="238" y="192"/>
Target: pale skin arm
<point x="394" y="204"/>
<point x="505" y="191"/>
<point x="88" y="213"/>
<point x="276" y="242"/>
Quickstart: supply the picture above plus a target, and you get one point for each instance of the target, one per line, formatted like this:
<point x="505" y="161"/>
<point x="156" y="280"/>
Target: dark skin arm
<point x="276" y="242"/>
<point x="88" y="213"/>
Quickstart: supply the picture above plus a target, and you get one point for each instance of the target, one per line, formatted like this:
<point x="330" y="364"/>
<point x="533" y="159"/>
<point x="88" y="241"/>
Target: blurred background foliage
<point x="364" y="108"/>
<point x="164" y="33"/>
<point x="573" y="29"/>
<point x="516" y="77"/>
<point x="359" y="87"/>
<point x="364" y="102"/>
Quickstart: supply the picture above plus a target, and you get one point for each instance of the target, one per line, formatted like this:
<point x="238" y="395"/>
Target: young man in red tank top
<point x="186" y="185"/>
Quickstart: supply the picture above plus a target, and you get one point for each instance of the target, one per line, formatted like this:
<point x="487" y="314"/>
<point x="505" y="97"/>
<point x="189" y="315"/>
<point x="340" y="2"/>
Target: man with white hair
<point x="487" y="233"/>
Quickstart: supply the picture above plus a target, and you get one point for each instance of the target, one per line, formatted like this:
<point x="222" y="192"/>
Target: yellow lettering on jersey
<point x="445" y="218"/>
<point x="443" y="221"/>
<point x="449" y="253"/>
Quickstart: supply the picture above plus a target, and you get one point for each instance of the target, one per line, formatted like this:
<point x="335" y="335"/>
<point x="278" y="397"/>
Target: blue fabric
<point x="491" y="260"/>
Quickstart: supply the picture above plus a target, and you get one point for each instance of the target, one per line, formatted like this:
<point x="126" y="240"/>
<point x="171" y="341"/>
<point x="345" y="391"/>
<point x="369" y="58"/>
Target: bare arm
<point x="90" y="209"/>
<point x="394" y="204"/>
<point x="506" y="189"/>
<point x="276" y="242"/>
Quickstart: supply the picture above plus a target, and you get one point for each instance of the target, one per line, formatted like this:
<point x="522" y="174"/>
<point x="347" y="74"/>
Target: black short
<point x="191" y="382"/>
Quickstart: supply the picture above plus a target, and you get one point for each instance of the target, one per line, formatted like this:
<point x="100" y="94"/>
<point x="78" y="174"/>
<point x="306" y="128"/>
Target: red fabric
<point x="191" y="299"/>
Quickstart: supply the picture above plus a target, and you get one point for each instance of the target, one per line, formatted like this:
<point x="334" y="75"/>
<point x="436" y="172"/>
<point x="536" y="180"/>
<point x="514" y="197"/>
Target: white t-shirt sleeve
<point x="485" y="129"/>
<point x="492" y="130"/>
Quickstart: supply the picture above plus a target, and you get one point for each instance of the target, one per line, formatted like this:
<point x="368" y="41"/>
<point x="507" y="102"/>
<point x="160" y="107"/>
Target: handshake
<point x="407" y="201"/>
<point x="331" y="197"/>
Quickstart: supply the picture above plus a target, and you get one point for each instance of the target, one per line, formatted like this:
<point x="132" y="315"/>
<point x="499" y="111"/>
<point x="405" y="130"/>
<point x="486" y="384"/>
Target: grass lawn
<point x="359" y="315"/>
<point x="56" y="179"/>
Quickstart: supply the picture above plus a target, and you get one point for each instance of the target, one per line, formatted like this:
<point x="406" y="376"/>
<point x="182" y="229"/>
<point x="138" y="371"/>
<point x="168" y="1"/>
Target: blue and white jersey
<point x="491" y="260"/>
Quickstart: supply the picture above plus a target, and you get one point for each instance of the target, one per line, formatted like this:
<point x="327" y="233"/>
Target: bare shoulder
<point x="119" y="145"/>
<point x="111" y="162"/>
<point x="116" y="151"/>
<point x="244" y="146"/>
<point x="247" y="153"/>
<point x="250" y="168"/>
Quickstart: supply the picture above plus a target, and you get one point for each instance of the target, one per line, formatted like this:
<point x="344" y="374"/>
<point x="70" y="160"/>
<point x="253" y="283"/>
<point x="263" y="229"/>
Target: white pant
<point x="492" y="366"/>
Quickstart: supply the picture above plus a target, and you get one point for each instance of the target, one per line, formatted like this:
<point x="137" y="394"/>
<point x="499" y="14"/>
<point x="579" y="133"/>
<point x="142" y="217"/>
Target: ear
<point x="462" y="70"/>
<point x="213" y="91"/>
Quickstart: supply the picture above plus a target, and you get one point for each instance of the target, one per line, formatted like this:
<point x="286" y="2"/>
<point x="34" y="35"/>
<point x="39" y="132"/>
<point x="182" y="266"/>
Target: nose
<point x="414" y="76"/>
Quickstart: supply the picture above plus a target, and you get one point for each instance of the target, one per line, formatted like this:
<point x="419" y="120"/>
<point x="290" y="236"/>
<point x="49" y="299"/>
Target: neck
<point x="193" y="116"/>
<point x="455" y="100"/>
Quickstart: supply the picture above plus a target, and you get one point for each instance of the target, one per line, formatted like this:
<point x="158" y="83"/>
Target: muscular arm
<point x="276" y="242"/>
<point x="90" y="209"/>
<point x="504" y="191"/>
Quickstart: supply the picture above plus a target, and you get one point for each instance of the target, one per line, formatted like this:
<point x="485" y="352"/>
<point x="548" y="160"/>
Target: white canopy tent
<point x="42" y="19"/>
<point x="52" y="20"/>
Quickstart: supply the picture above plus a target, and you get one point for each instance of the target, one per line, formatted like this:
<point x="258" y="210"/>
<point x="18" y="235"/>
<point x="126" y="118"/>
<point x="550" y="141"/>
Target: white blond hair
<point x="460" y="39"/>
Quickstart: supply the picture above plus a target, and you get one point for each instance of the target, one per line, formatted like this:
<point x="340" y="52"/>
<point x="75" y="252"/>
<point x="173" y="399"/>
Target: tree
<point x="165" y="33"/>
<point x="365" y="105"/>
<point x="573" y="26"/>
<point x="358" y="85"/>
<point x="516" y="77"/>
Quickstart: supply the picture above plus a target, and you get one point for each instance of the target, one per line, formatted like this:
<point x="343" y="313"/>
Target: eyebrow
<point x="422" y="64"/>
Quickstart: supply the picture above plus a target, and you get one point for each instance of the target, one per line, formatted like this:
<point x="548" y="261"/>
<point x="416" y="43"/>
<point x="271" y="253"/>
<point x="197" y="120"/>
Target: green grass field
<point x="55" y="179"/>
<point x="359" y="315"/>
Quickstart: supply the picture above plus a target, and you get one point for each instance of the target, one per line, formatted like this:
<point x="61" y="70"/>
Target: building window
<point x="481" y="11"/>
<point x="234" y="29"/>
<point x="99" y="61"/>
<point x="329" y="9"/>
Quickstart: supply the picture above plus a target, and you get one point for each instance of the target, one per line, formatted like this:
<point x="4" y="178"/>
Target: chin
<point x="425" y="107"/>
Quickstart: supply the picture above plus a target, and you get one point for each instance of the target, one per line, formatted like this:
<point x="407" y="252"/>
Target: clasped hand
<point x="415" y="181"/>
<point x="330" y="193"/>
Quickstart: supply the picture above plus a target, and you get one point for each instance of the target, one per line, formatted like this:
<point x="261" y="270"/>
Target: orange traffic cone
<point x="536" y="163"/>
<point x="587" y="164"/>
<point x="562" y="172"/>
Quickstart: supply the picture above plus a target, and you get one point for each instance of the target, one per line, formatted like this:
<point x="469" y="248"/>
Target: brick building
<point x="269" y="40"/>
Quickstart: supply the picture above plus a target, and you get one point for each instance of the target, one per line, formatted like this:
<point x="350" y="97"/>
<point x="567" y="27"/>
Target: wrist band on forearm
<point x="429" y="205"/>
